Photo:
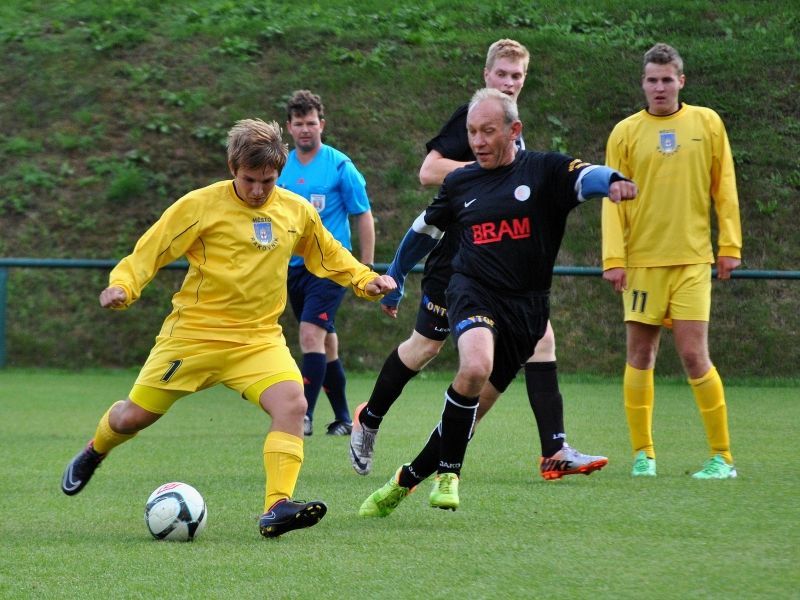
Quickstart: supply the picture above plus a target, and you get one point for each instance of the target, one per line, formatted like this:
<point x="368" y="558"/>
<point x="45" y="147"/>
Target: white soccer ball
<point x="175" y="511"/>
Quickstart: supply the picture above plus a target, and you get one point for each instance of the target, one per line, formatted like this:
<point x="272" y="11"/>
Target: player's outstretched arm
<point x="382" y="284"/>
<point x="622" y="190"/>
<point x="113" y="297"/>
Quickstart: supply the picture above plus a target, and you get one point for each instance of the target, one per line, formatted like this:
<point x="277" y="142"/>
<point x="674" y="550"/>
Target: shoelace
<point x="642" y="465"/>
<point x="445" y="484"/>
<point x="367" y="441"/>
<point x="712" y="467"/>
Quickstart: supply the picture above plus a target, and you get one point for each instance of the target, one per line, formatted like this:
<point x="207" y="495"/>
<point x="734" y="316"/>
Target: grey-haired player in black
<point x="505" y="70"/>
<point x="508" y="211"/>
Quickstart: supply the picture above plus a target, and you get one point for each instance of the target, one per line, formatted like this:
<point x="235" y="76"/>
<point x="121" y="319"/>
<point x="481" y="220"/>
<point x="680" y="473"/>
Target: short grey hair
<point x="510" y="112"/>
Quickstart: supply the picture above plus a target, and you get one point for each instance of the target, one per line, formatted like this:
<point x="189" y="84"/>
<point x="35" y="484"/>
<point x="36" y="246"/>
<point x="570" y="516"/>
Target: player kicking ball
<point x="238" y="236"/>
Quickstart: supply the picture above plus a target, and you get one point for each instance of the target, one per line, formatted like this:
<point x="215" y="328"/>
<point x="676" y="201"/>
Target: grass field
<point x="515" y="535"/>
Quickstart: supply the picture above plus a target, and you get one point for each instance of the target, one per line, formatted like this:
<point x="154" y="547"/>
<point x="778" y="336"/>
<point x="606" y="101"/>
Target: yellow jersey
<point x="681" y="163"/>
<point x="235" y="288"/>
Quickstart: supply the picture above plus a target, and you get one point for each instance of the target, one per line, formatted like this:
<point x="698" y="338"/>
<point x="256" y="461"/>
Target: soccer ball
<point x="175" y="511"/>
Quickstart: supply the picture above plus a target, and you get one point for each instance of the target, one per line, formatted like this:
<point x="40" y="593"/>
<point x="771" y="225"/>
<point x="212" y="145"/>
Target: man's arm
<point x="365" y="225"/>
<point x="436" y="167"/>
<point x="418" y="241"/>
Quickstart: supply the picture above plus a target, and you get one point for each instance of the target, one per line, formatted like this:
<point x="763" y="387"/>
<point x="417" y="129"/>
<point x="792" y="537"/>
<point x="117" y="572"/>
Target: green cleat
<point x="643" y="465"/>
<point x="383" y="501"/>
<point x="445" y="491"/>
<point x="716" y="468"/>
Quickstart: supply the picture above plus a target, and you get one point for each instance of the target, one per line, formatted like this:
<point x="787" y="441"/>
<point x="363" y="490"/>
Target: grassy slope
<point x="109" y="113"/>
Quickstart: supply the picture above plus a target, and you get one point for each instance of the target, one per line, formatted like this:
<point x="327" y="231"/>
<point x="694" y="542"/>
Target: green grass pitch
<point x="515" y="535"/>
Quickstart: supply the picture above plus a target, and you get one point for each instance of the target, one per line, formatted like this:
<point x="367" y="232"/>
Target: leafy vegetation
<point x="110" y="111"/>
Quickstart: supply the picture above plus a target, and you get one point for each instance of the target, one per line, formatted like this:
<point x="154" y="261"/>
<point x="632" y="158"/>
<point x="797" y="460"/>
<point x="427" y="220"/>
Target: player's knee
<point x="545" y="350"/>
<point x="126" y="417"/>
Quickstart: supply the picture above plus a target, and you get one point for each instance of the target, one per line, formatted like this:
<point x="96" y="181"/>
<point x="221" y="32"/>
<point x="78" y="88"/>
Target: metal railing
<point x="91" y="263"/>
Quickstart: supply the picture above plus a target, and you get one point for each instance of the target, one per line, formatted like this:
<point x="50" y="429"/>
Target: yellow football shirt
<point x="681" y="163"/>
<point x="235" y="288"/>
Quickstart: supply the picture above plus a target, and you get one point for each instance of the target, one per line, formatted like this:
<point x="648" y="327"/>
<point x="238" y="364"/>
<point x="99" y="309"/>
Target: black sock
<point x="541" y="380"/>
<point x="391" y="380"/>
<point x="458" y="420"/>
<point x="425" y="463"/>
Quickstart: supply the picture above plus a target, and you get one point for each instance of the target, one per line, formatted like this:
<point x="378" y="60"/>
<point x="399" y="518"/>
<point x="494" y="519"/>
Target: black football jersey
<point x="509" y="221"/>
<point x="451" y="142"/>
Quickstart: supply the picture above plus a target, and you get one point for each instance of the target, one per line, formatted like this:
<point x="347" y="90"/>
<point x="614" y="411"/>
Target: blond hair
<point x="507" y="48"/>
<point x="255" y="144"/>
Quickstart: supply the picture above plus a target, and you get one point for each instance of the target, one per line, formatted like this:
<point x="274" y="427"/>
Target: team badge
<point x="667" y="142"/>
<point x="522" y="193"/>
<point x="317" y="201"/>
<point x="263" y="233"/>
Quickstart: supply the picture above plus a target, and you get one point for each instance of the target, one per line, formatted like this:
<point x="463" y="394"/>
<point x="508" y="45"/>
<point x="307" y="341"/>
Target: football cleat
<point x="716" y="468"/>
<point x="80" y="470"/>
<point x="308" y="426"/>
<point x="383" y="501"/>
<point x="339" y="428"/>
<point x="643" y="465"/>
<point x="445" y="491"/>
<point x="568" y="461"/>
<point x="286" y="515"/>
<point x="362" y="444"/>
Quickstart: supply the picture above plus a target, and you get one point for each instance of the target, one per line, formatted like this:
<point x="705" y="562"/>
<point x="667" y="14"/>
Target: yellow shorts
<point x="659" y="294"/>
<point x="177" y="367"/>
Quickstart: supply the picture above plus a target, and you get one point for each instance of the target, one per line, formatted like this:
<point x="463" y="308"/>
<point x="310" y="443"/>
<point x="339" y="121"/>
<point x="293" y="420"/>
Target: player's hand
<point x="380" y="285"/>
<point x="113" y="297"/>
<point x="390" y="311"/>
<point x="617" y="278"/>
<point x="622" y="190"/>
<point x="726" y="264"/>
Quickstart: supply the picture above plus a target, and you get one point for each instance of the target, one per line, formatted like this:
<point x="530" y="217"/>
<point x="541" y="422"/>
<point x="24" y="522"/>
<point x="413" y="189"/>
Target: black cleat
<point x="286" y="515"/>
<point x="80" y="470"/>
<point x="340" y="428"/>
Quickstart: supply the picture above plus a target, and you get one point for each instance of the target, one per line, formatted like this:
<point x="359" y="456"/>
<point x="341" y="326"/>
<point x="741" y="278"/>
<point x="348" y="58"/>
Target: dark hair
<point x="303" y="102"/>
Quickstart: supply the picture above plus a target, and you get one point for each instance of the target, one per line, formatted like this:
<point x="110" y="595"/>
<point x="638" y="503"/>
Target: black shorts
<point x="314" y="299"/>
<point x="518" y="322"/>
<point x="432" y="320"/>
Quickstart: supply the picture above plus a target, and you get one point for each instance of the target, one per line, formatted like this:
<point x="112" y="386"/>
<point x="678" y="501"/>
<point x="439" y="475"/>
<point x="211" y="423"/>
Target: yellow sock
<point x="710" y="397"/>
<point x="639" y="394"/>
<point x="283" y="456"/>
<point x="105" y="438"/>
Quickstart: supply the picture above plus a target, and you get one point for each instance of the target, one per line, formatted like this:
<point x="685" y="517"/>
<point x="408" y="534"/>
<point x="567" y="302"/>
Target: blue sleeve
<point x="594" y="181"/>
<point x="353" y="188"/>
<point x="417" y="243"/>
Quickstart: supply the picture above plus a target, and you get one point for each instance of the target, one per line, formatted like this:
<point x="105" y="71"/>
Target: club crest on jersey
<point x="262" y="234"/>
<point x="667" y="142"/>
<point x="317" y="201"/>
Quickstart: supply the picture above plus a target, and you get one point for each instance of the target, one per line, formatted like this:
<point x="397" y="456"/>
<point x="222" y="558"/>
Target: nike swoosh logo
<point x="269" y="515"/>
<point x="361" y="464"/>
<point x="69" y="483"/>
<point x="466" y="204"/>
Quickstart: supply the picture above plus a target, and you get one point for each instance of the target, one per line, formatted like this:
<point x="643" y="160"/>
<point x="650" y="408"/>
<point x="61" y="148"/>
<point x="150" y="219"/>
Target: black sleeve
<point x="452" y="141"/>
<point x="563" y="173"/>
<point x="439" y="212"/>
